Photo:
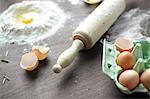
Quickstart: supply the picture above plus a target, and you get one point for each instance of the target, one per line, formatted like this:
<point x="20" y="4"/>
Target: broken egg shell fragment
<point x="41" y="52"/>
<point x="29" y="61"/>
<point x="124" y="44"/>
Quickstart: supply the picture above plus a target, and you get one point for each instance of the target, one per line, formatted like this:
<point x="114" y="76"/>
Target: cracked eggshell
<point x="29" y="61"/>
<point x="41" y="52"/>
<point x="124" y="44"/>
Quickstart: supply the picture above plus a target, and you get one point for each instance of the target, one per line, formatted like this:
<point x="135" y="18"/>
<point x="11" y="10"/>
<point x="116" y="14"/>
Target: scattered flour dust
<point x="31" y="21"/>
<point x="75" y="2"/>
<point x="134" y="24"/>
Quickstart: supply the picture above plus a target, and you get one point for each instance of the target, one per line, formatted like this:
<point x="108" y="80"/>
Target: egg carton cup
<point x="141" y="51"/>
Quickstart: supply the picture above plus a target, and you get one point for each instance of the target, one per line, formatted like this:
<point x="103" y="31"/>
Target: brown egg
<point x="145" y="78"/>
<point x="124" y="44"/>
<point x="129" y="79"/>
<point x="126" y="60"/>
<point x="29" y="61"/>
<point x="40" y="51"/>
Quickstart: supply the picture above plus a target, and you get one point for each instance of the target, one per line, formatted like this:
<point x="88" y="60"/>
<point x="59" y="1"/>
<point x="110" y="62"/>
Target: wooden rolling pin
<point x="90" y="30"/>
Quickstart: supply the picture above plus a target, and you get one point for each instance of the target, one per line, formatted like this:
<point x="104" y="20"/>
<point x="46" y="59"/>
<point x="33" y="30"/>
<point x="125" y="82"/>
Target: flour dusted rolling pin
<point x="90" y="30"/>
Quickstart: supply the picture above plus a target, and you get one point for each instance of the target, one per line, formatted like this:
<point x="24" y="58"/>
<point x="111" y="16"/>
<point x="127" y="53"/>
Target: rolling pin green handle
<point x="67" y="57"/>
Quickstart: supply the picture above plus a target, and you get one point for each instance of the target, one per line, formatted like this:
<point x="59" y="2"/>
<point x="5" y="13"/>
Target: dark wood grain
<point x="84" y="79"/>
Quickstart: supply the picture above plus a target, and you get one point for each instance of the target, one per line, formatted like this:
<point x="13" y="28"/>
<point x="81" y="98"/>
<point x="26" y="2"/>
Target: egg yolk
<point x="26" y="19"/>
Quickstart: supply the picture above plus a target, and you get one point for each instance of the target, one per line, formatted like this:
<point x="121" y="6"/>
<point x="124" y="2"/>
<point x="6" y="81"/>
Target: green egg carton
<point x="141" y="51"/>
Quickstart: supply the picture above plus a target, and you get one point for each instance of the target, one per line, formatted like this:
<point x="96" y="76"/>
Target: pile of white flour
<point x="52" y="18"/>
<point x="134" y="24"/>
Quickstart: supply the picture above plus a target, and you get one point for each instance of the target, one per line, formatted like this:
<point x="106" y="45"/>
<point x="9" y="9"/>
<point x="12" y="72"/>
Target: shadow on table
<point x="84" y="57"/>
<point x="137" y="95"/>
<point x="35" y="73"/>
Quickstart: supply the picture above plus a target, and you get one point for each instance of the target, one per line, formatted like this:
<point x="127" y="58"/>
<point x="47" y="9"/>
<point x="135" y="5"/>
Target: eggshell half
<point x="40" y="51"/>
<point x="124" y="44"/>
<point x="29" y="61"/>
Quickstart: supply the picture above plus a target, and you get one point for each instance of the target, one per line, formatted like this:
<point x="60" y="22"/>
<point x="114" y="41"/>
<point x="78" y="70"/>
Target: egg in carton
<point x="141" y="51"/>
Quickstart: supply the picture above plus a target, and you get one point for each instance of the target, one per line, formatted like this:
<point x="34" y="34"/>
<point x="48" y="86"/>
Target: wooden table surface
<point x="83" y="79"/>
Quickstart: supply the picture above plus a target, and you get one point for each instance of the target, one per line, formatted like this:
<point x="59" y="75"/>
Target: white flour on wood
<point x="75" y="2"/>
<point x="31" y="21"/>
<point x="134" y="24"/>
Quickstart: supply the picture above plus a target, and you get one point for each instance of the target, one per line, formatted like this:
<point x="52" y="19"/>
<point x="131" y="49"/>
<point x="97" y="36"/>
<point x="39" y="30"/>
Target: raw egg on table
<point x="124" y="44"/>
<point x="29" y="61"/>
<point x="145" y="78"/>
<point x="126" y="60"/>
<point x="129" y="79"/>
<point x="28" y="18"/>
<point x="40" y="51"/>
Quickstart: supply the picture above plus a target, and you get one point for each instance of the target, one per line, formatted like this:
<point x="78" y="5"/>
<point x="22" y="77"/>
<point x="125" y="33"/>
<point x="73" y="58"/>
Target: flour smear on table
<point x="75" y="2"/>
<point x="134" y="24"/>
<point x="31" y="21"/>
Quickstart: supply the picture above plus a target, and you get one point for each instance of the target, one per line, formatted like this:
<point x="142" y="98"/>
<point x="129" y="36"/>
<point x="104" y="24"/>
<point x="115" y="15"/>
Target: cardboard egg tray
<point x="141" y="51"/>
